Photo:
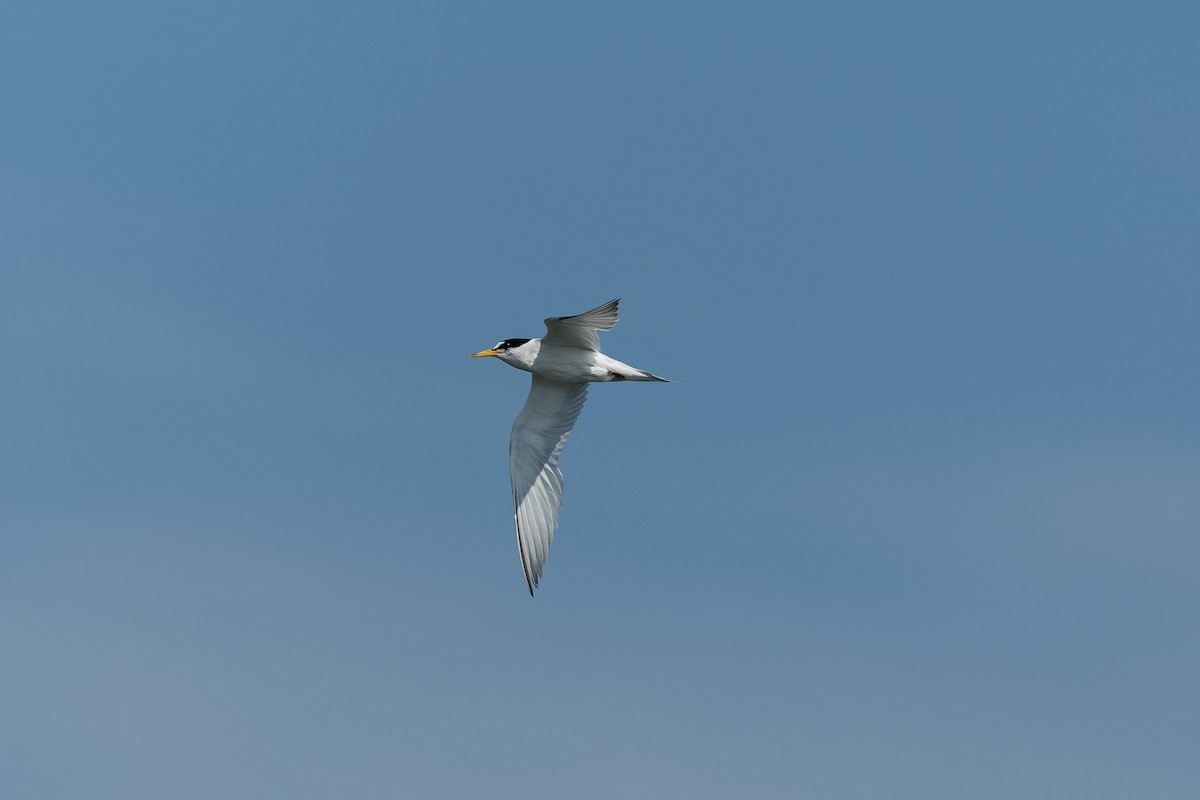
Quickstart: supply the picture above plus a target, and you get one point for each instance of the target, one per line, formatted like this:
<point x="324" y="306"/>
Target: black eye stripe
<point x="510" y="343"/>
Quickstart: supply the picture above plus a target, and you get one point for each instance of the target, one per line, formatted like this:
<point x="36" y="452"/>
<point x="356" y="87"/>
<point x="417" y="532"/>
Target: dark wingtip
<point x="530" y="581"/>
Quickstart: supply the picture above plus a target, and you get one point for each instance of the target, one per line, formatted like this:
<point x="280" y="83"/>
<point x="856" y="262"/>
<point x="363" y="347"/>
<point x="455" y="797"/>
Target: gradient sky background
<point x="923" y="521"/>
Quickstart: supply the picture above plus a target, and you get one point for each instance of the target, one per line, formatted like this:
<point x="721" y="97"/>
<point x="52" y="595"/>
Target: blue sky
<point x="920" y="522"/>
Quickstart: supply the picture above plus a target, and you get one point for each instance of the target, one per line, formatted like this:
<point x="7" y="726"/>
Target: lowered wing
<point x="538" y="437"/>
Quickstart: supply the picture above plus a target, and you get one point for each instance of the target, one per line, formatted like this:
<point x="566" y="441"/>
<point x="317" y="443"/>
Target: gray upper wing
<point x="580" y="330"/>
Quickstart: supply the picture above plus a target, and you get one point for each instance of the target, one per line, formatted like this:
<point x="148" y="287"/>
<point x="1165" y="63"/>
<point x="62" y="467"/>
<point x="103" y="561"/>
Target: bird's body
<point x="571" y="364"/>
<point x="563" y="363"/>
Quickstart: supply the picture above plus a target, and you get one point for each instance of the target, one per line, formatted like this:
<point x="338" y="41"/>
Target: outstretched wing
<point x="580" y="330"/>
<point x="538" y="437"/>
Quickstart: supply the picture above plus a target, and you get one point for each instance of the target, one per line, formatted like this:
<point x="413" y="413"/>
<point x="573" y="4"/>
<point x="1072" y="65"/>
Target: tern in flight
<point x="563" y="363"/>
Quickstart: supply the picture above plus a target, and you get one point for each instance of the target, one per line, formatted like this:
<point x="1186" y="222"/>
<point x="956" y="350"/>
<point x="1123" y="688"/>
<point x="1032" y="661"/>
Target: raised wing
<point x="538" y="437"/>
<point x="580" y="330"/>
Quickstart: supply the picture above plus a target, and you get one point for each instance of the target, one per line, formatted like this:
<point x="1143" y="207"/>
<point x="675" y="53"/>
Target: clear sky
<point x="921" y="521"/>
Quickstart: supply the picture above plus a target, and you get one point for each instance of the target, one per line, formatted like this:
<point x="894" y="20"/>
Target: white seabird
<point x="563" y="363"/>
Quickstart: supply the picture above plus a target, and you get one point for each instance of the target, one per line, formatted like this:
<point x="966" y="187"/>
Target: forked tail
<point x="642" y="375"/>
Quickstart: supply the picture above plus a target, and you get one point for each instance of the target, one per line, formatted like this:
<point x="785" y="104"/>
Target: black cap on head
<point x="509" y="343"/>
